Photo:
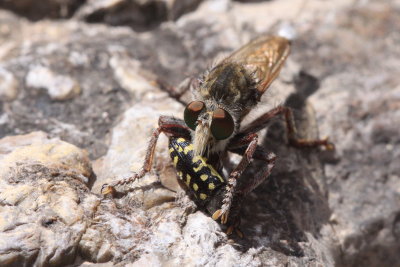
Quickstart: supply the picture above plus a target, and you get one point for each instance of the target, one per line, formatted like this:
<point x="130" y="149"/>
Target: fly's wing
<point x="264" y="57"/>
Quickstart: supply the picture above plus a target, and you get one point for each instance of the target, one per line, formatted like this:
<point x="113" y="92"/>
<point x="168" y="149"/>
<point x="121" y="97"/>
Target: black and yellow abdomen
<point x="200" y="177"/>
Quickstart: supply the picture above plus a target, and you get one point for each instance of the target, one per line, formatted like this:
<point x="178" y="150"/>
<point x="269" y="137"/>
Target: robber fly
<point x="212" y="127"/>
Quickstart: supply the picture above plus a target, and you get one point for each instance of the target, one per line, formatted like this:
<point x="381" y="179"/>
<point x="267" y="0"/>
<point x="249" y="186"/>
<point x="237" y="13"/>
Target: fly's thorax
<point x="230" y="84"/>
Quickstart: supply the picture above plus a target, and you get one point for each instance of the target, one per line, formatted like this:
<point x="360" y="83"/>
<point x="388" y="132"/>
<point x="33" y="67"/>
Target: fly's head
<point x="212" y="125"/>
<point x="223" y="98"/>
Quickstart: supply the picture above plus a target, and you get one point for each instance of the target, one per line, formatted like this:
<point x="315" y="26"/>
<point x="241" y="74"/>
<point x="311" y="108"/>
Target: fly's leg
<point x="148" y="160"/>
<point x="256" y="152"/>
<point x="176" y="92"/>
<point x="223" y="213"/>
<point x="298" y="142"/>
<point x="264" y="119"/>
<point x="167" y="125"/>
<point x="259" y="178"/>
<point x="249" y="185"/>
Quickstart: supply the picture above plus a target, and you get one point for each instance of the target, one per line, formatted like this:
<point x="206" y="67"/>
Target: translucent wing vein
<point x="264" y="57"/>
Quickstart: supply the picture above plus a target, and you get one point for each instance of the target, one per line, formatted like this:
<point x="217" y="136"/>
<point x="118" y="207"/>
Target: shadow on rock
<point x="293" y="202"/>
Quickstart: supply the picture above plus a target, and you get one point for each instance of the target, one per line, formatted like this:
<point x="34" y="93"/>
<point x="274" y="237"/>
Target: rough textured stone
<point x="74" y="65"/>
<point x="298" y="217"/>
<point x="58" y="87"/>
<point x="139" y="14"/>
<point x="44" y="9"/>
<point x="45" y="200"/>
<point x="103" y="62"/>
<point x="358" y="104"/>
<point x="8" y="86"/>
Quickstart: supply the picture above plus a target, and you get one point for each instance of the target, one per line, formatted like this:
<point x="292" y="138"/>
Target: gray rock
<point x="358" y="105"/>
<point x="104" y="69"/>
<point x="8" y="86"/>
<point x="53" y="48"/>
<point x="44" y="9"/>
<point x="58" y="87"/>
<point x="139" y="14"/>
<point x="298" y="217"/>
<point x="46" y="204"/>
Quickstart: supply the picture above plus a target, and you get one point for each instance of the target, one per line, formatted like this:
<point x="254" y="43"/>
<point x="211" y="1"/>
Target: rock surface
<point x="44" y="9"/>
<point x="46" y="205"/>
<point x="141" y="15"/>
<point x="93" y="86"/>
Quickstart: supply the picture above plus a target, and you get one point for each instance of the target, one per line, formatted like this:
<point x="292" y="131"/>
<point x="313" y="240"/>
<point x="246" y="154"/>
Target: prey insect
<point x="212" y="127"/>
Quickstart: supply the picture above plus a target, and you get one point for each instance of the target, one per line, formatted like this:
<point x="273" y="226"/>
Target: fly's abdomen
<point x="200" y="177"/>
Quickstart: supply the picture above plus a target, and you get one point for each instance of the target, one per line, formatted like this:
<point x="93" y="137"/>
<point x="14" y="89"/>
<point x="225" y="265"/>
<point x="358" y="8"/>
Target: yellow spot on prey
<point x="181" y="140"/>
<point x="203" y="196"/>
<point x="187" y="149"/>
<point x="195" y="187"/>
<point x="180" y="149"/>
<point x="171" y="150"/>
<point x="216" y="174"/>
<point x="175" y="160"/>
<point x="204" y="177"/>
<point x="188" y="177"/>
<point x="199" y="160"/>
<point x="211" y="186"/>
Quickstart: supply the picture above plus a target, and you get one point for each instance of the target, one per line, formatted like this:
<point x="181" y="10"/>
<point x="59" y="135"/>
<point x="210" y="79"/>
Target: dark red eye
<point x="192" y="112"/>
<point x="222" y="124"/>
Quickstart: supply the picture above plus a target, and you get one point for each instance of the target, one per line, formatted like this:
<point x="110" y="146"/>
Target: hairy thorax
<point x="230" y="85"/>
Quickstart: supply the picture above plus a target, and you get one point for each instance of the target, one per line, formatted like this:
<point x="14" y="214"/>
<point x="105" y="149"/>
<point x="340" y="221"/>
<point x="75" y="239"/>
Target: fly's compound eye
<point x="192" y="112"/>
<point x="222" y="124"/>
